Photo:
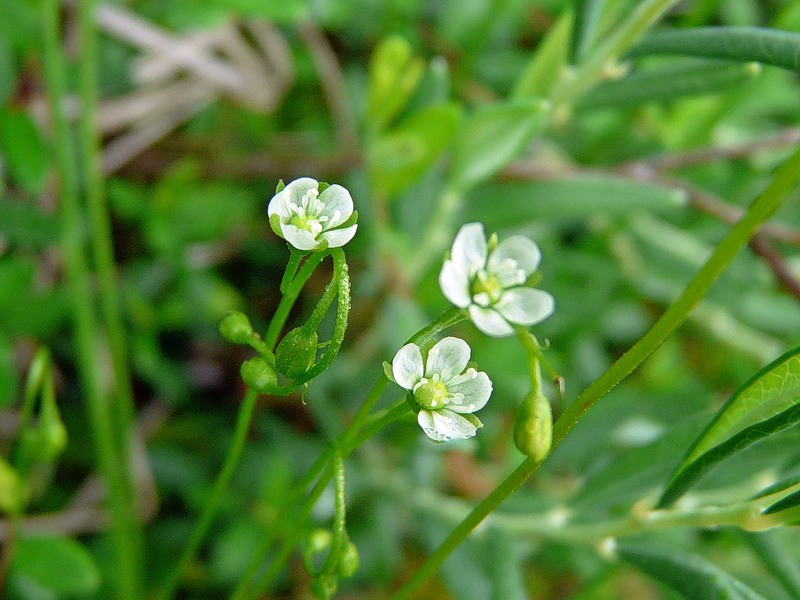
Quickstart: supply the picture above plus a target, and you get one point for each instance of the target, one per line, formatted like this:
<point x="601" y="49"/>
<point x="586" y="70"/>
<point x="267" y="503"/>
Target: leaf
<point x="767" y="403"/>
<point x="689" y="574"/>
<point x="58" y="564"/>
<point x="24" y="223"/>
<point x="23" y="150"/>
<point x="768" y="46"/>
<point x="8" y="70"/>
<point x="394" y="74"/>
<point x="493" y="136"/>
<point x="588" y="18"/>
<point x="547" y="63"/>
<point x="500" y="205"/>
<point x="784" y="503"/>
<point x="669" y="83"/>
<point x="8" y="374"/>
<point x="777" y="558"/>
<point x="400" y="156"/>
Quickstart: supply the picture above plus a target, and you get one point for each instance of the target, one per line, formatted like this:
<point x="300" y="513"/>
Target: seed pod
<point x="258" y="375"/>
<point x="348" y="560"/>
<point x="236" y="328"/>
<point x="533" y="426"/>
<point x="296" y="352"/>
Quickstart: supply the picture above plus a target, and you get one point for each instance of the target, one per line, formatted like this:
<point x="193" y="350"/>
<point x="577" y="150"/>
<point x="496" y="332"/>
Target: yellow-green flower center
<point x="431" y="395"/>
<point x="486" y="289"/>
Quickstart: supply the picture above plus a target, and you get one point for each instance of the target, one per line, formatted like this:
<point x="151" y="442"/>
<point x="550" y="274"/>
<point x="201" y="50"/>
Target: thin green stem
<point x="243" y="421"/>
<point x="122" y="406"/>
<point x="290" y="297"/>
<point x="295" y="256"/>
<point x="784" y="180"/>
<point x="348" y="440"/>
<point x="340" y="508"/>
<point x="123" y="520"/>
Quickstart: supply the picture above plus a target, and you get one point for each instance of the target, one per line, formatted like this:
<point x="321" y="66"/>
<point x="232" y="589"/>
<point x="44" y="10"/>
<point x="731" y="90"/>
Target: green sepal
<point x="387" y="370"/>
<point x="275" y="224"/>
<point x="296" y="352"/>
<point x="279" y="188"/>
<point x="322" y="186"/>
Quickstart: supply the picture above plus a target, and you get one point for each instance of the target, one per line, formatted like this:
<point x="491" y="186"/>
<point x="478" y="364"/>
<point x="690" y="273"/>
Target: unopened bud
<point x="296" y="352"/>
<point x="348" y="560"/>
<point x="236" y="328"/>
<point x="259" y="375"/>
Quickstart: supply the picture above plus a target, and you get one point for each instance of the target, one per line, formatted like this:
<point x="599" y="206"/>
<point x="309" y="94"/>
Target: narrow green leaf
<point x="588" y="17"/>
<point x="58" y="564"/>
<point x="767" y="403"/>
<point x="500" y="205"/>
<point x="398" y="157"/>
<point x="689" y="574"/>
<point x="776" y="487"/>
<point x="775" y="557"/>
<point x="768" y="46"/>
<point x="547" y="63"/>
<point x="669" y="83"/>
<point x="493" y="136"/>
<point x="785" y="503"/>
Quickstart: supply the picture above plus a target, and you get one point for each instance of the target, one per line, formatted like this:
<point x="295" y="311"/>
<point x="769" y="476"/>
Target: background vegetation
<point x="567" y="122"/>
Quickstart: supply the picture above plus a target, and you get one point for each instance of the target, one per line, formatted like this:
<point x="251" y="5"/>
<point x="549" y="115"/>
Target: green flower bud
<point x="318" y="543"/>
<point x="533" y="426"/>
<point x="296" y="352"/>
<point x="236" y="328"/>
<point x="348" y="560"/>
<point x="12" y="490"/>
<point x="259" y="375"/>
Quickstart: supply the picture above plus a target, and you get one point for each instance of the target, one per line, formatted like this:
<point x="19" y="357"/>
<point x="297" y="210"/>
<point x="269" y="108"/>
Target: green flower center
<point x="486" y="289"/>
<point x="431" y="395"/>
<point x="308" y="214"/>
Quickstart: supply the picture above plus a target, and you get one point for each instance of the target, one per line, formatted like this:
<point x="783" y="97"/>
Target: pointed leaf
<point x="768" y="403"/>
<point x="58" y="564"/>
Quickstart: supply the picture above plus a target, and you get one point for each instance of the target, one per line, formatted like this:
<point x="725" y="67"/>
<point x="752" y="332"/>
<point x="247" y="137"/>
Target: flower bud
<point x="12" y="489"/>
<point x="348" y="560"/>
<point x="533" y="426"/>
<point x="236" y="328"/>
<point x="259" y="375"/>
<point x="296" y="352"/>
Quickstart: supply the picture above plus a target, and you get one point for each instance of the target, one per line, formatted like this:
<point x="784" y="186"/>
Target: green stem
<point x="295" y="256"/>
<point x="348" y="440"/>
<point x="340" y="507"/>
<point x="784" y="180"/>
<point x="290" y="297"/>
<point x="123" y="519"/>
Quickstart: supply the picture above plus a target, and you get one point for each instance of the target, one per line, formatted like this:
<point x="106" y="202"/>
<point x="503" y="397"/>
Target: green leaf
<point x="768" y="46"/>
<point x="500" y="205"/>
<point x="24" y="223"/>
<point x="767" y="403"/>
<point x="399" y="157"/>
<point x="588" y="19"/>
<point x="547" y="63"/>
<point x="669" y="83"/>
<point x="394" y="74"/>
<point x="58" y="564"/>
<point x="8" y="71"/>
<point x="776" y="557"/>
<point x="785" y="503"/>
<point x="23" y="150"/>
<point x="493" y="136"/>
<point x="8" y="374"/>
<point x="689" y="574"/>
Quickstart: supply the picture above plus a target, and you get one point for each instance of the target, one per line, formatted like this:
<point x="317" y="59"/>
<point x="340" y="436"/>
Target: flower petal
<point x="514" y="260"/>
<point x="338" y="205"/>
<point x="475" y="391"/>
<point x="489" y="321"/>
<point x="454" y="281"/>
<point x="469" y="248"/>
<point x="445" y="425"/>
<point x="525" y="306"/>
<point x="448" y="357"/>
<point x="407" y="366"/>
<point x="298" y="188"/>
<point x="279" y="205"/>
<point x="338" y="237"/>
<point x="302" y="239"/>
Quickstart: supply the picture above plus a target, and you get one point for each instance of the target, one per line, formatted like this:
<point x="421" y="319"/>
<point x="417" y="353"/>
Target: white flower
<point x="312" y="220"/>
<point x="446" y="391"/>
<point x="490" y="282"/>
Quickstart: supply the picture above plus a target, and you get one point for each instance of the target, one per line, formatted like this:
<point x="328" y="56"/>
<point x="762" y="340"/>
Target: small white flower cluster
<point x="445" y="390"/>
<point x="490" y="281"/>
<point x="312" y="220"/>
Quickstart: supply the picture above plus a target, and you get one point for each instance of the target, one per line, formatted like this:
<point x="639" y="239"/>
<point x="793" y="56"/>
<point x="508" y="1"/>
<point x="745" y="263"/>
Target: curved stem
<point x="340" y="507"/>
<point x="784" y="180"/>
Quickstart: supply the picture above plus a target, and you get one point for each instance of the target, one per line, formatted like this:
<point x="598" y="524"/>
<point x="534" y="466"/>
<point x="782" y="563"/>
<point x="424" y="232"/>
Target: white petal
<point x="407" y="366"/>
<point x="525" y="306"/>
<point x="454" y="281"/>
<point x="475" y="391"/>
<point x="523" y="252"/>
<point x="279" y="205"/>
<point x="469" y="248"/>
<point x="339" y="237"/>
<point x="298" y="188"/>
<point x="302" y="239"/>
<point x="449" y="357"/>
<point x="338" y="205"/>
<point x="445" y="425"/>
<point x="489" y="321"/>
